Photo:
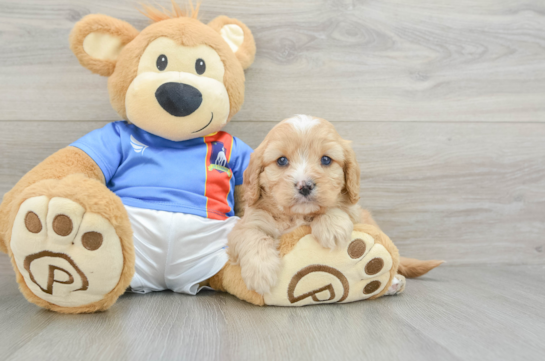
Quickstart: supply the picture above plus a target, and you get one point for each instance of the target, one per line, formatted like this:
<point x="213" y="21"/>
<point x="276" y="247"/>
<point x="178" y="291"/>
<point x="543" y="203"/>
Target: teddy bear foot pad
<point x="311" y="274"/>
<point x="67" y="257"/>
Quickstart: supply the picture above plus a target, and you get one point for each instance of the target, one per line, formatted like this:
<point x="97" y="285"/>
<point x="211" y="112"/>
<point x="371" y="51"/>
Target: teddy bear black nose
<point x="178" y="99"/>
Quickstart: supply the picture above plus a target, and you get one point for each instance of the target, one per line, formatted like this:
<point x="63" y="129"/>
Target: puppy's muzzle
<point x="178" y="99"/>
<point x="305" y="187"/>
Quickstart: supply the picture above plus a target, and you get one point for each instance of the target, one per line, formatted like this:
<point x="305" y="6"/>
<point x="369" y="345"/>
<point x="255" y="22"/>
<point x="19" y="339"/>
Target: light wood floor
<point x="455" y="313"/>
<point x="444" y="101"/>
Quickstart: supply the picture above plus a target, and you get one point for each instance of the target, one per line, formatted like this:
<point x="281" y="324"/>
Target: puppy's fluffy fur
<point x="305" y="191"/>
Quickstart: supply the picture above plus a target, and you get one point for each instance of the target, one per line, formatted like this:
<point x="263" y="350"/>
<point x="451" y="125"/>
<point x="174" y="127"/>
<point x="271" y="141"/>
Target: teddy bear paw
<point x="67" y="257"/>
<point x="311" y="274"/>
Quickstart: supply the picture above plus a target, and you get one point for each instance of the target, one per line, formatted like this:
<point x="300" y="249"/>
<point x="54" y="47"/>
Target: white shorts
<point x="176" y="251"/>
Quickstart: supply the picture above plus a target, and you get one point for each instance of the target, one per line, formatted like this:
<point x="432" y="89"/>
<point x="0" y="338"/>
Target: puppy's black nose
<point x="305" y="188"/>
<point x="178" y="99"/>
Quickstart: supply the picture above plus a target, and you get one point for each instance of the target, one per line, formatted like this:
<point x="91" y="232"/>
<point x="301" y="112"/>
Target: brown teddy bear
<point x="147" y="203"/>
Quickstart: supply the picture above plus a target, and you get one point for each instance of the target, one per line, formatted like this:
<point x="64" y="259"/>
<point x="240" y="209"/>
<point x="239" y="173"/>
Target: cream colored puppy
<point x="303" y="173"/>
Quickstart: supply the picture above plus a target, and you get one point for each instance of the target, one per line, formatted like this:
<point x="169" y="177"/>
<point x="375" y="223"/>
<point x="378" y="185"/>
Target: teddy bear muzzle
<point x="178" y="99"/>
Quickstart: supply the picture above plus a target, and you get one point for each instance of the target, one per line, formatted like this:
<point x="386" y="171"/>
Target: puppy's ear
<point x="351" y="174"/>
<point x="238" y="36"/>
<point x="252" y="187"/>
<point x="97" y="40"/>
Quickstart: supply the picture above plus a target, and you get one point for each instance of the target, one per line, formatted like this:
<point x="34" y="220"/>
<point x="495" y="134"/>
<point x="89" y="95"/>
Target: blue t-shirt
<point x="196" y="176"/>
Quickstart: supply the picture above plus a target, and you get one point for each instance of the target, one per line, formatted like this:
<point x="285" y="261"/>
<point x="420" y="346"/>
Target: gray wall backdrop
<point x="444" y="101"/>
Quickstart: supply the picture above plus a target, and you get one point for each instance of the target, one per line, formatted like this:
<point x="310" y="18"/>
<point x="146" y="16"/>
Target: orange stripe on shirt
<point x="228" y="161"/>
<point x="218" y="174"/>
<point x="206" y="161"/>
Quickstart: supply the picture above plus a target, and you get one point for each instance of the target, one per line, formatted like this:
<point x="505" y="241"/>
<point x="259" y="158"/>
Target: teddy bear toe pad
<point x="312" y="274"/>
<point x="67" y="257"/>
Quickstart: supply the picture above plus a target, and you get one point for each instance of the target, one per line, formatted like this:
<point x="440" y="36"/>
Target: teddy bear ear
<point x="97" y="40"/>
<point x="238" y="37"/>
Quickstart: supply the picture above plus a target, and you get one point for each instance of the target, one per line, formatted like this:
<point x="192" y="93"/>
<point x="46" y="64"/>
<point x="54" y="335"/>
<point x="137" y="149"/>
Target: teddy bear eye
<point x="200" y="66"/>
<point x="162" y="62"/>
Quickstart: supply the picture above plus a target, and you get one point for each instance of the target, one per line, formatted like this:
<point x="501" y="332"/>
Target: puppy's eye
<point x="162" y="62"/>
<point x="200" y="66"/>
<point x="282" y="161"/>
<point x="326" y="160"/>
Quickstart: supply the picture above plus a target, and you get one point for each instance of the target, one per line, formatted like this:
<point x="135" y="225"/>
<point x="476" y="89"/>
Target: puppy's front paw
<point x="260" y="272"/>
<point x="397" y="286"/>
<point x="332" y="229"/>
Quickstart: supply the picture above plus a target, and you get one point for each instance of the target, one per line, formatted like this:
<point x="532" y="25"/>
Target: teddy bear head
<point x="178" y="78"/>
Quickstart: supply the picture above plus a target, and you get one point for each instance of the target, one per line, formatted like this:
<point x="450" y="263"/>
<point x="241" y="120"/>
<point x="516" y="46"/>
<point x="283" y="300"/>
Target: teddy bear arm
<point x="64" y="162"/>
<point x="239" y="201"/>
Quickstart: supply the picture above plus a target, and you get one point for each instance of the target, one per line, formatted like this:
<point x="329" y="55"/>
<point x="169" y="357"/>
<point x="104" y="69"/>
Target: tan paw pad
<point x="66" y="256"/>
<point x="312" y="274"/>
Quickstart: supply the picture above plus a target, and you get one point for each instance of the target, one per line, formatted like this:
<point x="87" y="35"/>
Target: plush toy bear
<point x="147" y="203"/>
